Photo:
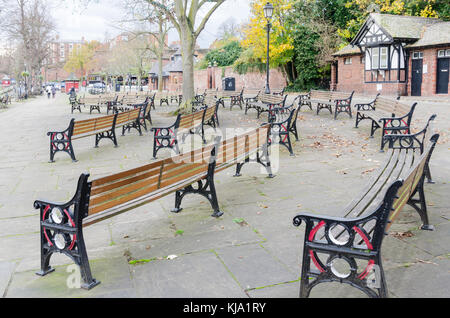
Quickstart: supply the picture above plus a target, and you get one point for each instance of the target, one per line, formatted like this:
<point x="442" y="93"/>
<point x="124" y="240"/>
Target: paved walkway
<point x="253" y="250"/>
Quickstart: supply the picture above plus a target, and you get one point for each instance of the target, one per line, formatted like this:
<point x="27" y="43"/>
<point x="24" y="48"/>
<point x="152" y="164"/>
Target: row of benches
<point x="392" y="116"/>
<point x="164" y="137"/>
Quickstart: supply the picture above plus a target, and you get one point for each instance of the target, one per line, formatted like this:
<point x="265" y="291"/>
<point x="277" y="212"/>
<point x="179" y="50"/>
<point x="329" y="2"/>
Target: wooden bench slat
<point x="373" y="187"/>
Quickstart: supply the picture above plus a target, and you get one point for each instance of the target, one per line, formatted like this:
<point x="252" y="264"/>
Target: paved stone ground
<point x="259" y="257"/>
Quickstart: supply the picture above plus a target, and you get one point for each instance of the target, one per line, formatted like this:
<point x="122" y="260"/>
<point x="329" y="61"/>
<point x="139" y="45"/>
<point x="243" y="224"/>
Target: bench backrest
<point x="221" y="94"/>
<point x="89" y="99"/>
<point x="147" y="183"/>
<point x="251" y="91"/>
<point x="271" y="99"/>
<point x="127" y="117"/>
<point x="120" y="192"/>
<point x="412" y="179"/>
<point x="92" y="126"/>
<point x="318" y="94"/>
<point x="385" y="104"/>
<point x="237" y="148"/>
<point x="340" y="95"/>
<point x="189" y="121"/>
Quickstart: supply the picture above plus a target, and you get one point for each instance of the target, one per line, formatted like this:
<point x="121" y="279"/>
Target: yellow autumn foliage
<point x="255" y="33"/>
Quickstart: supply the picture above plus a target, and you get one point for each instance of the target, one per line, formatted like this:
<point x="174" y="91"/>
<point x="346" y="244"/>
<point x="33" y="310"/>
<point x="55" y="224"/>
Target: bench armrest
<point x="304" y="96"/>
<point x="365" y="106"/>
<point x="408" y="141"/>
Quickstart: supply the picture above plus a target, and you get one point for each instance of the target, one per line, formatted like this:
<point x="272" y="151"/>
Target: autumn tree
<point x="82" y="57"/>
<point x="359" y="9"/>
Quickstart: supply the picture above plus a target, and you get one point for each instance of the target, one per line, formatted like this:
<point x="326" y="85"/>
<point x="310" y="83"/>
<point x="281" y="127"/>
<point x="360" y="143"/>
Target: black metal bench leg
<point x="373" y="128"/>
<point x="419" y="204"/>
<point x="83" y="261"/>
<point x="358" y="119"/>
<point x="428" y="174"/>
<point x="205" y="188"/>
<point x="63" y="144"/>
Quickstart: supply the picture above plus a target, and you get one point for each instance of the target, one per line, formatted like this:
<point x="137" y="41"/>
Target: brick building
<point x="395" y="55"/>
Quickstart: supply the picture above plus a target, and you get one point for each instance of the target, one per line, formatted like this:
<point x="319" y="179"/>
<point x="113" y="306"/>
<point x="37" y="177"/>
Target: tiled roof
<point x="347" y="50"/>
<point x="434" y="34"/>
<point x="401" y="26"/>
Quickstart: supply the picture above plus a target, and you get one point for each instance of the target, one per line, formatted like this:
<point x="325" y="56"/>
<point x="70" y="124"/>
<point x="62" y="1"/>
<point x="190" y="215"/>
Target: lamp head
<point x="268" y="11"/>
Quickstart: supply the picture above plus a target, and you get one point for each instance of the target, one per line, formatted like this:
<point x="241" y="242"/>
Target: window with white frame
<point x="375" y="57"/>
<point x="383" y="57"/>
<point x="347" y="60"/>
<point x="444" y="53"/>
<point x="417" y="55"/>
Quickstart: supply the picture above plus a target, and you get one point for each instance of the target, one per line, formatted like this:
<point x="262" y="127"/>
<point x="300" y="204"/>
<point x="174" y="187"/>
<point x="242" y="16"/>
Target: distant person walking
<point x="49" y="91"/>
<point x="72" y="92"/>
<point x="53" y="91"/>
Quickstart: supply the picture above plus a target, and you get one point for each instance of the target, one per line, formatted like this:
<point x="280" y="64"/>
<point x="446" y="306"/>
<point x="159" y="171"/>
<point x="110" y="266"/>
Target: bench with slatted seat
<point x="235" y="97"/>
<point x="175" y="96"/>
<point x="61" y="225"/>
<point x="185" y="124"/>
<point x="282" y="126"/>
<point x="162" y="97"/>
<point x="74" y="104"/>
<point x="101" y="127"/>
<point x="250" y="95"/>
<point x="392" y="116"/>
<point x="145" y="115"/>
<point x="93" y="102"/>
<point x="265" y="102"/>
<point x="340" y="101"/>
<point x="347" y="248"/>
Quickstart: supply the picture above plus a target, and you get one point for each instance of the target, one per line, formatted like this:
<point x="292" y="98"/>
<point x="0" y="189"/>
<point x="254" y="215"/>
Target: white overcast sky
<point x="97" y="19"/>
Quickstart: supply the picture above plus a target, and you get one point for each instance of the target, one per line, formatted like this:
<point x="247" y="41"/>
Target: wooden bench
<point x="145" y="115"/>
<point x="236" y="97"/>
<point x="391" y="115"/>
<point x="251" y="95"/>
<point x="185" y="124"/>
<point x="162" y="97"/>
<point x="280" y="128"/>
<point x="265" y="102"/>
<point x="347" y="248"/>
<point x="101" y="127"/>
<point x="175" y="96"/>
<point x="341" y="101"/>
<point x="61" y="225"/>
<point x="93" y="102"/>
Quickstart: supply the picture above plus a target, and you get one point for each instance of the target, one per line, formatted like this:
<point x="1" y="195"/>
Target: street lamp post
<point x="268" y="12"/>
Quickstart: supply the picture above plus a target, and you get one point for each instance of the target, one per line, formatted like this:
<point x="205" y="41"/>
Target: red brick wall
<point x="250" y="80"/>
<point x="429" y="79"/>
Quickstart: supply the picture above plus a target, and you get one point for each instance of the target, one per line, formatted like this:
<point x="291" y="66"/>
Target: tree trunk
<point x="187" y="50"/>
<point x="160" y="71"/>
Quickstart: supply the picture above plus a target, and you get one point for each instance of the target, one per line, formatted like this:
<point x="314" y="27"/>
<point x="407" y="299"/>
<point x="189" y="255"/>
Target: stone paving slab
<point x="253" y="250"/>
